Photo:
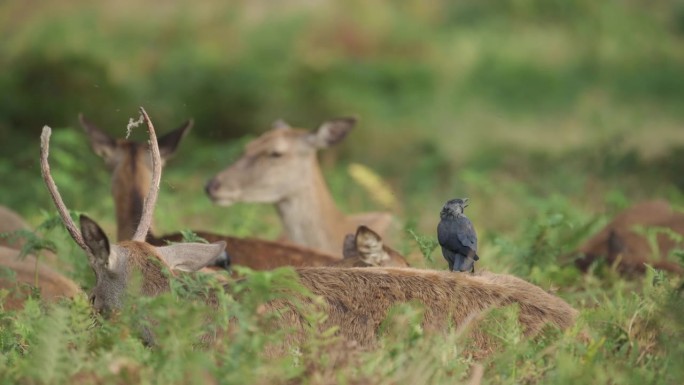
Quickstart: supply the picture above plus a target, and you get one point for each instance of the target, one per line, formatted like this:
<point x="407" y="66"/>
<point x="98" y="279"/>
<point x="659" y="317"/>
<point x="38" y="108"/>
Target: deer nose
<point x="211" y="186"/>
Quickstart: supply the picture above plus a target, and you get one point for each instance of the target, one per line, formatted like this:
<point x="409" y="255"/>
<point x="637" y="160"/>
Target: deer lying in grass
<point x="621" y="239"/>
<point x="356" y="300"/>
<point x="19" y="275"/>
<point x="26" y="273"/>
<point x="281" y="167"/>
<point x="131" y="168"/>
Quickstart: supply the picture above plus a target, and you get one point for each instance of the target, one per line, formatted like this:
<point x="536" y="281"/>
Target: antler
<point x="52" y="187"/>
<point x="151" y="199"/>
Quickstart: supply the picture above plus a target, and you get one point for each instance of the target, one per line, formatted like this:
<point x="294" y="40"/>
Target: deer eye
<point x="275" y="154"/>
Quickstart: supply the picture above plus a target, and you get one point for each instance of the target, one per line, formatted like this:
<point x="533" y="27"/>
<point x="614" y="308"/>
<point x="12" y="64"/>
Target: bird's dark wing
<point x="457" y="235"/>
<point x="466" y="232"/>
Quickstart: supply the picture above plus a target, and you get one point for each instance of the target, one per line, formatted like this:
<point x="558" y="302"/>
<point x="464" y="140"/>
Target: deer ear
<point x="97" y="241"/>
<point x="101" y="143"/>
<point x="332" y="132"/>
<point x="169" y="142"/>
<point x="349" y="246"/>
<point x="191" y="256"/>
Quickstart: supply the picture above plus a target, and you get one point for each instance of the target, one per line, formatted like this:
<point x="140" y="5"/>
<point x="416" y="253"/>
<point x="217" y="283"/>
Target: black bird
<point x="457" y="236"/>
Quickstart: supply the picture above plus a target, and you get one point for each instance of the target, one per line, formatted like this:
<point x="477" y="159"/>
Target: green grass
<point x="550" y="116"/>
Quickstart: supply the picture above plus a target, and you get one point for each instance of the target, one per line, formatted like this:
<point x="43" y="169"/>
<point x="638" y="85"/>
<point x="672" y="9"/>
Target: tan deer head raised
<point x="281" y="167"/>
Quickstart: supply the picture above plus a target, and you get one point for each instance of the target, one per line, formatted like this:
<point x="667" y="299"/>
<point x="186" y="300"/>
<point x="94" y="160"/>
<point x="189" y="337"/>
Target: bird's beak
<point x="465" y="201"/>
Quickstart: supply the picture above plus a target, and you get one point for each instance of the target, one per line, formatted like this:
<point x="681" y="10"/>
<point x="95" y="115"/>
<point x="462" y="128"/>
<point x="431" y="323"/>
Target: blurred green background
<point x="550" y="115"/>
<point x="505" y="101"/>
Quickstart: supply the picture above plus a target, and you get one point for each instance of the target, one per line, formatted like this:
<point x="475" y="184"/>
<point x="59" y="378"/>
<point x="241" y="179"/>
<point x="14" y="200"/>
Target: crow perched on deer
<point x="457" y="236"/>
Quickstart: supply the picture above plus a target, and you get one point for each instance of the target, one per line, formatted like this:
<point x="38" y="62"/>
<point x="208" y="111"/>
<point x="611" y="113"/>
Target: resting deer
<point x="131" y="168"/>
<point x="621" y="240"/>
<point x="27" y="272"/>
<point x="356" y="300"/>
<point x="281" y="167"/>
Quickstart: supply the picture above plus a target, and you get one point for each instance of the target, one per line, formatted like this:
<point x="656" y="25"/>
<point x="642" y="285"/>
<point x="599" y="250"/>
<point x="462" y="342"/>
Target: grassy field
<point x="549" y="115"/>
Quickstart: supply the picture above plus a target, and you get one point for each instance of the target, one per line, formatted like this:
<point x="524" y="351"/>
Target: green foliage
<point x="535" y="109"/>
<point x="426" y="244"/>
<point x="190" y="236"/>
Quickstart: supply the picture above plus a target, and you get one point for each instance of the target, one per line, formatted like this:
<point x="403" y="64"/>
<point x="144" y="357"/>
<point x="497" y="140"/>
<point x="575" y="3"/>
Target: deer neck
<point x="310" y="215"/>
<point x="130" y="181"/>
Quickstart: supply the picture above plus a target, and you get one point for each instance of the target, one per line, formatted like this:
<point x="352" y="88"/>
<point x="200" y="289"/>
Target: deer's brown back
<point x="26" y="273"/>
<point x="258" y="254"/>
<point x="358" y="300"/>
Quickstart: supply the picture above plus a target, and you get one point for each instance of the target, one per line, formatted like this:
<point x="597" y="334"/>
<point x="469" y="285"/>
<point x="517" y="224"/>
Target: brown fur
<point x="357" y="300"/>
<point x="618" y="240"/>
<point x="11" y="221"/>
<point x="50" y="283"/>
<point x="281" y="167"/>
<point x="257" y="254"/>
<point x="130" y="183"/>
<point x="154" y="281"/>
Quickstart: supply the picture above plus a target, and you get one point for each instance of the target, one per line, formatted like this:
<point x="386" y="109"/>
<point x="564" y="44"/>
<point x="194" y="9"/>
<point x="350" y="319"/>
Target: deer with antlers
<point x="281" y="167"/>
<point x="355" y="300"/>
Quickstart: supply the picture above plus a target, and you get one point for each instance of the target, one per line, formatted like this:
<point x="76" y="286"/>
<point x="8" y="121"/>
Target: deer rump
<point x="357" y="300"/>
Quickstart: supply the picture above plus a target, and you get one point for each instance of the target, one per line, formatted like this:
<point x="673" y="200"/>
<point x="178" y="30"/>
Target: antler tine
<point x="151" y="199"/>
<point x="52" y="187"/>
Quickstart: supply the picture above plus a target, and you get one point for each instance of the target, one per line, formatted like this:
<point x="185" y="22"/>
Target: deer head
<point x="131" y="165"/>
<point x="114" y="264"/>
<point x="366" y="248"/>
<point x="276" y="164"/>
